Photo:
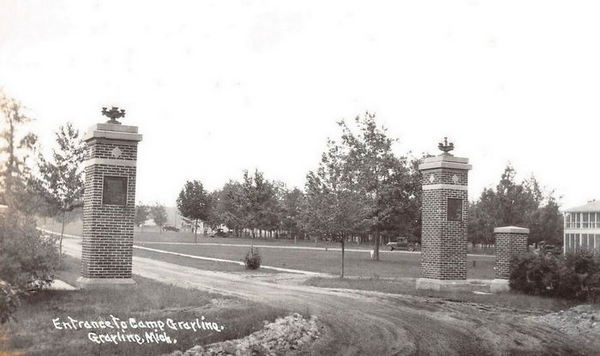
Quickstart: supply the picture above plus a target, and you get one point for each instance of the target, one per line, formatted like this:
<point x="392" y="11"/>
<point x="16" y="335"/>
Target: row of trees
<point x="515" y="203"/>
<point x="361" y="189"/>
<point x="156" y="212"/>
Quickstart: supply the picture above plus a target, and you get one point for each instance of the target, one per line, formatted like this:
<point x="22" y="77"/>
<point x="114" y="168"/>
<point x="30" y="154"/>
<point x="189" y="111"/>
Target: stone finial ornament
<point x="446" y="146"/>
<point x="113" y="114"/>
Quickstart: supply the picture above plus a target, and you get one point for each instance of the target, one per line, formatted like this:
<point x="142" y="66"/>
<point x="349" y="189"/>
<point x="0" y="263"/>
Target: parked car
<point x="402" y="243"/>
<point x="170" y="228"/>
<point x="218" y="233"/>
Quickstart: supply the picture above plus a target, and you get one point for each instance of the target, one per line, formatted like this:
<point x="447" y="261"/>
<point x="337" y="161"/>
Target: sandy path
<point x="371" y="323"/>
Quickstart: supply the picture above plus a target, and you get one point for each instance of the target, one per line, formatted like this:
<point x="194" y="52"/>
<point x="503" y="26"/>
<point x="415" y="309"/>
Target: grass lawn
<point x="396" y="264"/>
<point x="71" y="227"/>
<point x="182" y="236"/>
<point x="75" y="228"/>
<point x="511" y="300"/>
<point x="34" y="332"/>
<point x="199" y="264"/>
<point x="188" y="237"/>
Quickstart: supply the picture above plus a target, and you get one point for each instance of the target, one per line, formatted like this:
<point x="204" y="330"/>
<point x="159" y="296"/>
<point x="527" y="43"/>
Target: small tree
<point x="142" y="212"/>
<point x="380" y="176"/>
<point x="60" y="180"/>
<point x="16" y="147"/>
<point x="333" y="209"/>
<point x="159" y="215"/>
<point x="194" y="203"/>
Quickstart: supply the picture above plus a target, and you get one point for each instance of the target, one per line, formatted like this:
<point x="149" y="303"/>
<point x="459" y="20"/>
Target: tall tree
<point x="334" y="210"/>
<point x="142" y="212"/>
<point x="515" y="203"/>
<point x="60" y="180"/>
<point x="382" y="177"/>
<point x="291" y="212"/>
<point x="229" y="207"/>
<point x="546" y="223"/>
<point x="259" y="202"/>
<point x="159" y="215"/>
<point x="194" y="203"/>
<point x="17" y="146"/>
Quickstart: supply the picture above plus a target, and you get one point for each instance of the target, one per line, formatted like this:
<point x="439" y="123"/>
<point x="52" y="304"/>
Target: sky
<point x="217" y="87"/>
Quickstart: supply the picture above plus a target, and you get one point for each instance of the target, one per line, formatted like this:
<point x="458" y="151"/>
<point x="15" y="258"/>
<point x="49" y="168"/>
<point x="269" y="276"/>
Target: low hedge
<point x="571" y="276"/>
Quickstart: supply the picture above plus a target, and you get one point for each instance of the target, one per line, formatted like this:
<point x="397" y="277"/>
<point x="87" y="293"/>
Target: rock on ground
<point x="283" y="336"/>
<point x="581" y="319"/>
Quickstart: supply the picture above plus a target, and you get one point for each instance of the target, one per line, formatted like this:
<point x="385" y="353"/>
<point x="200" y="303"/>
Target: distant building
<point x="582" y="228"/>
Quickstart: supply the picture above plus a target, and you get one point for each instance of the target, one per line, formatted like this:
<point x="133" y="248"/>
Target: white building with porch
<point x="582" y="228"/>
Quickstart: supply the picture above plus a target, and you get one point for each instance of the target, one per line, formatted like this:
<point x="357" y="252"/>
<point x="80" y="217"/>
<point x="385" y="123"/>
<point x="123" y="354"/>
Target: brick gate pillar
<point x="510" y="241"/>
<point x="444" y="221"/>
<point x="109" y="204"/>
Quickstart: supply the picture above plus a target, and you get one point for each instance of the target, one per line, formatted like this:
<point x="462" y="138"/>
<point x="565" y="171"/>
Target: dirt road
<point x="370" y="323"/>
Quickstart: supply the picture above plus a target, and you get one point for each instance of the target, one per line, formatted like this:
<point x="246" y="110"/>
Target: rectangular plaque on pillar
<point x="114" y="191"/>
<point x="109" y="203"/>
<point x="444" y="220"/>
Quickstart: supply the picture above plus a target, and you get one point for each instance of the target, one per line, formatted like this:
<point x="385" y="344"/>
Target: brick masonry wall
<point x="507" y="246"/>
<point x="443" y="242"/>
<point x="108" y="229"/>
<point x="102" y="148"/>
<point x="444" y="176"/>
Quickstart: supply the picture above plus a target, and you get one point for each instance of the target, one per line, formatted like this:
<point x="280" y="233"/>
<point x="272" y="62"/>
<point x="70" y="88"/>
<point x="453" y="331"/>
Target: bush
<point x="573" y="276"/>
<point x="252" y="258"/>
<point x="580" y="277"/>
<point x="534" y="274"/>
<point x="27" y="259"/>
<point x="9" y="302"/>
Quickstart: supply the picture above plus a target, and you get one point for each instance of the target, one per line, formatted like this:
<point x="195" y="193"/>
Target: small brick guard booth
<point x="445" y="217"/>
<point x="109" y="205"/>
<point x="510" y="241"/>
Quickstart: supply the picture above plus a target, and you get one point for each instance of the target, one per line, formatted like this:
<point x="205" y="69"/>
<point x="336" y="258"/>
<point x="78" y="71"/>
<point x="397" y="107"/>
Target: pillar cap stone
<point x="445" y="161"/>
<point x="511" y="230"/>
<point x="113" y="131"/>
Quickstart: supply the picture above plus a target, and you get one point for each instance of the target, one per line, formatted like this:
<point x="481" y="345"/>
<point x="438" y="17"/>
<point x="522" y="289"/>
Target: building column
<point x="444" y="221"/>
<point x="510" y="242"/>
<point x="109" y="205"/>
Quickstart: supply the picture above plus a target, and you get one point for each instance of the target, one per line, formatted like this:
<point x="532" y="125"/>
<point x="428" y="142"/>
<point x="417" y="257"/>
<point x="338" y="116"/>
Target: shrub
<point x="27" y="259"/>
<point x="9" y="302"/>
<point x="534" y="274"/>
<point x="580" y="277"/>
<point x="574" y="276"/>
<point x="252" y="258"/>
